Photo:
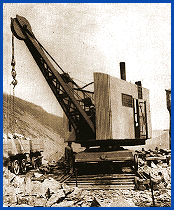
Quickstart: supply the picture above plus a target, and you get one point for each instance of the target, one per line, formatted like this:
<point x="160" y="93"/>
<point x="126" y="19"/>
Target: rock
<point x="165" y="165"/>
<point x="52" y="184"/>
<point x="121" y="202"/>
<point x="21" y="200"/>
<point x="56" y="197"/>
<point x="37" y="189"/>
<point x="95" y="203"/>
<point x="169" y="193"/>
<point x="28" y="186"/>
<point x="18" y="182"/>
<point x="67" y="189"/>
<point x="5" y="171"/>
<point x="85" y="205"/>
<point x="64" y="204"/>
<point x="13" y="199"/>
<point x="89" y="199"/>
<point x="9" y="190"/>
<point x="141" y="162"/>
<point x="44" y="162"/>
<point x="76" y="193"/>
<point x="169" y="186"/>
<point x="37" y="175"/>
<point x="41" y="178"/>
<point x="154" y="165"/>
<point x="40" y="202"/>
<point x="22" y="205"/>
<point x="6" y="199"/>
<point x="79" y="203"/>
<point x="8" y="175"/>
<point x="5" y="204"/>
<point x="161" y="185"/>
<point x="31" y="200"/>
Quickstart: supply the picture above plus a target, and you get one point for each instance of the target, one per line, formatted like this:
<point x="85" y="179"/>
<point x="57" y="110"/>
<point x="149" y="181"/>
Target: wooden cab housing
<point x="122" y="109"/>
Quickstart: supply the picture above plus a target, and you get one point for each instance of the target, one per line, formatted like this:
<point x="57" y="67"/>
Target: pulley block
<point x="20" y="26"/>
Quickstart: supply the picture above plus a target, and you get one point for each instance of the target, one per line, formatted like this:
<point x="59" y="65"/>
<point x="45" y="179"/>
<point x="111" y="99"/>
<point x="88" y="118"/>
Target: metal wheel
<point x="23" y="166"/>
<point x="16" y="167"/>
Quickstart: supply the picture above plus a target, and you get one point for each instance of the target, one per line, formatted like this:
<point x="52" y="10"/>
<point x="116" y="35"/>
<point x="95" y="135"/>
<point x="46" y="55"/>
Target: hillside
<point x="159" y="139"/>
<point x="33" y="121"/>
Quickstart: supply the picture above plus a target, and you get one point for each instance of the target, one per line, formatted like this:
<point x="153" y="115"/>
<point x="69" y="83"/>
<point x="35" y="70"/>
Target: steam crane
<point x="103" y="120"/>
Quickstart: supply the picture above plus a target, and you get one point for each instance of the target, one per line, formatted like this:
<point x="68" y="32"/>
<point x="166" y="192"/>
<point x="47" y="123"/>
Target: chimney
<point x="122" y="71"/>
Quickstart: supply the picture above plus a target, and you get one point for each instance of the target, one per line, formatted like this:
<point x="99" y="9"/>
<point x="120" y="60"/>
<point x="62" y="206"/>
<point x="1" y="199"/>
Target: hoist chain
<point x="13" y="72"/>
<point x="14" y="83"/>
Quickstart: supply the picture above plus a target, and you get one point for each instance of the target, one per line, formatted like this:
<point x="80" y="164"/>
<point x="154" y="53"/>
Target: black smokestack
<point x="122" y="71"/>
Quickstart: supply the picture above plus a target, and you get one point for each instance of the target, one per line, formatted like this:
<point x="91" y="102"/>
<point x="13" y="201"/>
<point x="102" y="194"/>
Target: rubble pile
<point x="34" y="189"/>
<point x="143" y="198"/>
<point x="39" y="189"/>
<point x="154" y="174"/>
<point x="155" y="165"/>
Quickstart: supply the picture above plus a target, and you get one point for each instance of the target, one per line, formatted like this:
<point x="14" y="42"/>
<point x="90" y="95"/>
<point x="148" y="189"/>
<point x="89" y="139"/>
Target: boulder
<point x="75" y="194"/>
<point x="52" y="184"/>
<point x="55" y="198"/>
<point x="38" y="189"/>
<point x="67" y="189"/>
<point x="95" y="203"/>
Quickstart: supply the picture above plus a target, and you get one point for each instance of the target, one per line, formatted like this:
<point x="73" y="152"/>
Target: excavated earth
<point x="39" y="189"/>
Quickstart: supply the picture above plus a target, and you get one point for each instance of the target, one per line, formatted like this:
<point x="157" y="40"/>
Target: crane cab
<point x="122" y="113"/>
<point x="122" y="118"/>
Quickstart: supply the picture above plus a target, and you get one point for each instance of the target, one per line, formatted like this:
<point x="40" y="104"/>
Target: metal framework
<point x="79" y="110"/>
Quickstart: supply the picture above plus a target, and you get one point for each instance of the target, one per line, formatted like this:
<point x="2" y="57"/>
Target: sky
<point x="86" y="38"/>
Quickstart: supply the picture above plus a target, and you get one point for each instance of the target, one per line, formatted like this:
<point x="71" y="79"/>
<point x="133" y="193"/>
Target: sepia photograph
<point x="87" y="105"/>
